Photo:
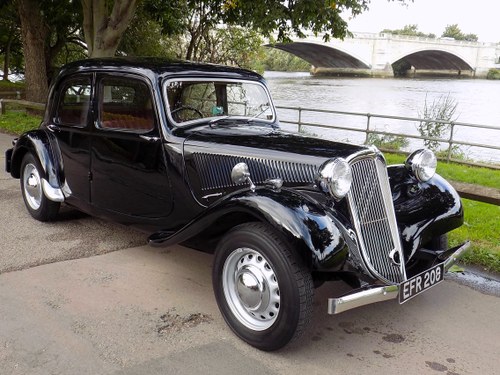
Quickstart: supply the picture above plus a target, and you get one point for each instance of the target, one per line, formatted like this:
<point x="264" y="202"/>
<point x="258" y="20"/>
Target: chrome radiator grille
<point x="372" y="213"/>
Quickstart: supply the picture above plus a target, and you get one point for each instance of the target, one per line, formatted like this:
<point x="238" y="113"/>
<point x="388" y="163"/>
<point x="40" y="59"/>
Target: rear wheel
<point x="263" y="290"/>
<point x="38" y="205"/>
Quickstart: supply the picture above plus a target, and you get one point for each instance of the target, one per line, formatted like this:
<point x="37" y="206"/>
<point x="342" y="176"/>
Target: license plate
<point x="421" y="282"/>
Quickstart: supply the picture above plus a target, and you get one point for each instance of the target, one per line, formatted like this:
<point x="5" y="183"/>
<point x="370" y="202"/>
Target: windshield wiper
<point x="257" y="115"/>
<point x="216" y="120"/>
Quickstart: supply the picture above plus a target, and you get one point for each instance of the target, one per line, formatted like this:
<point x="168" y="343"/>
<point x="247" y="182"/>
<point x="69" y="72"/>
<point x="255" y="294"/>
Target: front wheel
<point x="263" y="290"/>
<point x="38" y="205"/>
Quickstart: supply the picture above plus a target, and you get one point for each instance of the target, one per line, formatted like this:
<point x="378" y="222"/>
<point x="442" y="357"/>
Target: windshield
<point x="192" y="100"/>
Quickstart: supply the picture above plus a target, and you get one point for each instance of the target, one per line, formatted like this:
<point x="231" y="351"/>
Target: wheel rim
<point x="32" y="186"/>
<point x="251" y="289"/>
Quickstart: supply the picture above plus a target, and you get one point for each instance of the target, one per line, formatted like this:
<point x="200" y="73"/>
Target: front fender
<point x="318" y="235"/>
<point x="43" y="145"/>
<point x="423" y="209"/>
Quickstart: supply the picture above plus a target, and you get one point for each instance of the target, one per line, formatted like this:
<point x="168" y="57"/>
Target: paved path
<point x="25" y="242"/>
<point x="147" y="311"/>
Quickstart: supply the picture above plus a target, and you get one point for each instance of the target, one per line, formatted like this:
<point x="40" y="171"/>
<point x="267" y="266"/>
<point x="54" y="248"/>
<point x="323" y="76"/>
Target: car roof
<point x="157" y="66"/>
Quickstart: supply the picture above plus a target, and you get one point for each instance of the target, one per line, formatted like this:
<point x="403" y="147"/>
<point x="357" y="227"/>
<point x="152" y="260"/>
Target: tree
<point x="411" y="30"/>
<point x="453" y="31"/>
<point x="34" y="33"/>
<point x="104" y="25"/>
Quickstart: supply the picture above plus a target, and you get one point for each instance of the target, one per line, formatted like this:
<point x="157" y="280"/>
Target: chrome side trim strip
<point x="52" y="193"/>
<point x="382" y="293"/>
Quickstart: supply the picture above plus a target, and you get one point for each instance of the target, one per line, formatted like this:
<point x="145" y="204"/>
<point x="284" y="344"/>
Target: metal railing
<point x="368" y="129"/>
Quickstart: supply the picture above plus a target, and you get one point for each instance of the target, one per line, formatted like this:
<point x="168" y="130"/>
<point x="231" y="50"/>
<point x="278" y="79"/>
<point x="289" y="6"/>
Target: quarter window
<point x="74" y="102"/>
<point x="125" y="104"/>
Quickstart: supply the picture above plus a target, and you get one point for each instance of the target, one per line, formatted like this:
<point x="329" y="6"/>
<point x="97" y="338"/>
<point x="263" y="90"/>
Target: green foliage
<point x="410" y="30"/>
<point x="389" y="142"/>
<point x="145" y="37"/>
<point x="11" y="54"/>
<point x="17" y="122"/>
<point x="442" y="108"/>
<point x="453" y="31"/>
<point x="281" y="61"/>
<point x="400" y="68"/>
<point x="292" y="17"/>
<point x="6" y="85"/>
<point x="493" y="74"/>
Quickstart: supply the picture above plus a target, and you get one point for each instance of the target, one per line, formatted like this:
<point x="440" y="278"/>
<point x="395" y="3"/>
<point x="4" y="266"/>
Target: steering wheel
<point x="185" y="108"/>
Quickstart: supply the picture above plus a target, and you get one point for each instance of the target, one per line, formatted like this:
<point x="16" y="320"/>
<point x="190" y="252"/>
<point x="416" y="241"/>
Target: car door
<point x="128" y="173"/>
<point x="70" y="123"/>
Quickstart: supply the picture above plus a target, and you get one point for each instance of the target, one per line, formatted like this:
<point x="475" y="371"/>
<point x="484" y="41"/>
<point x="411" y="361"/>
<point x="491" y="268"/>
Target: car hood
<point x="211" y="153"/>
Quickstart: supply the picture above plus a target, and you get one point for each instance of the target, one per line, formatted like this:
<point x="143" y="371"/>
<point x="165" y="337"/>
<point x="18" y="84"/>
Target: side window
<point x="74" y="102"/>
<point x="125" y="104"/>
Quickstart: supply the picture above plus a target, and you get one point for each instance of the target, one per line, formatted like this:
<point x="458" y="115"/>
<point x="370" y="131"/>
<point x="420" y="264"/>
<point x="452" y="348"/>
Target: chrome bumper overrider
<point x="382" y="293"/>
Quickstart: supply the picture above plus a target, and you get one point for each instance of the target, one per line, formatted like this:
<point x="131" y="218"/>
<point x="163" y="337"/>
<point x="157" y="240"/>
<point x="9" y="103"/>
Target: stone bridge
<point x="382" y="55"/>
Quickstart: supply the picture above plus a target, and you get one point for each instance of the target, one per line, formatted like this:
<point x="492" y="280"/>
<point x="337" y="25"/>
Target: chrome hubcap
<point x="32" y="186"/>
<point x="251" y="289"/>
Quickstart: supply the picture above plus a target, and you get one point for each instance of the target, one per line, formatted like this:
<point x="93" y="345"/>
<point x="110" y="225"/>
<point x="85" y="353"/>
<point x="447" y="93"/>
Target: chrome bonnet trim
<point x="382" y="293"/>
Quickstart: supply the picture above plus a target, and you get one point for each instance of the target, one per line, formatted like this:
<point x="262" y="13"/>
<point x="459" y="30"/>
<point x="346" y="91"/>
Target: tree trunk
<point x="34" y="33"/>
<point x="102" y="32"/>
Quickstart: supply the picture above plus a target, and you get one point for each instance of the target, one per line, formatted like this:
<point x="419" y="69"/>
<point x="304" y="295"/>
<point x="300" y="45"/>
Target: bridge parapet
<point x="375" y="53"/>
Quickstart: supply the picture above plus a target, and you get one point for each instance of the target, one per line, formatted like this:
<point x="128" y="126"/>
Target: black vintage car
<point x="193" y="153"/>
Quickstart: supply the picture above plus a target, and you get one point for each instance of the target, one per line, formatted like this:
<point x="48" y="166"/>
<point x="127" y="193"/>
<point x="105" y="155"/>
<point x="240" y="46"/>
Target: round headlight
<point x="423" y="164"/>
<point x="335" y="177"/>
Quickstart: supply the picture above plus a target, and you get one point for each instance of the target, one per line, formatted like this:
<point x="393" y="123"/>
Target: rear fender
<point x="318" y="235"/>
<point x="43" y="145"/>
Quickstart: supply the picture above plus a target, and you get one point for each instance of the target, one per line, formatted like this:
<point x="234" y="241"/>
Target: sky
<point x="480" y="17"/>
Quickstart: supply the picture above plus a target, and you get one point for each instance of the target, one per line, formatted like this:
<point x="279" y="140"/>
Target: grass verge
<point x="17" y="122"/>
<point x="481" y="225"/>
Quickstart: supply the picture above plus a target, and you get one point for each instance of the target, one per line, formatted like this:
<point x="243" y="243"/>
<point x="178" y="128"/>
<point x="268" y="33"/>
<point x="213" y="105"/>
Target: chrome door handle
<point x="149" y="138"/>
<point x="53" y="128"/>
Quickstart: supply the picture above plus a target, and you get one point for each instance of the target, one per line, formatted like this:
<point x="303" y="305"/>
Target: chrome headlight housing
<point x="335" y="177"/>
<point x="423" y="164"/>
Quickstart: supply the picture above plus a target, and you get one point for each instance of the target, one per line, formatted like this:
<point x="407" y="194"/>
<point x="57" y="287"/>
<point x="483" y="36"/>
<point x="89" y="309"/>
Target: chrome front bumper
<point x="383" y="293"/>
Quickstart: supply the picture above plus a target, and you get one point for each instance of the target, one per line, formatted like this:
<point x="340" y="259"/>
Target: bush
<point x="389" y="142"/>
<point x="442" y="108"/>
<point x="493" y="74"/>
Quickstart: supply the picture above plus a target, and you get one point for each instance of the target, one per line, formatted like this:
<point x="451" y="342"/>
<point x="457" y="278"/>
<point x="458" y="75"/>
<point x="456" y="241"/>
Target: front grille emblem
<point x="395" y="257"/>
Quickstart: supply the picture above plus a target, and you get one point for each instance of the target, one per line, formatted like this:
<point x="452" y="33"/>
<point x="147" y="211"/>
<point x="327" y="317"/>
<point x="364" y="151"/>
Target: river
<point x="478" y="102"/>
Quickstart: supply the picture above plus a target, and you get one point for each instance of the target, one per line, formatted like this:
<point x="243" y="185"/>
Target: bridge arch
<point x="322" y="55"/>
<point x="433" y="59"/>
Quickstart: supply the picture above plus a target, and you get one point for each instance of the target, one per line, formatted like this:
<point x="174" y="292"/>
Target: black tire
<point x="38" y="205"/>
<point x="263" y="289"/>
